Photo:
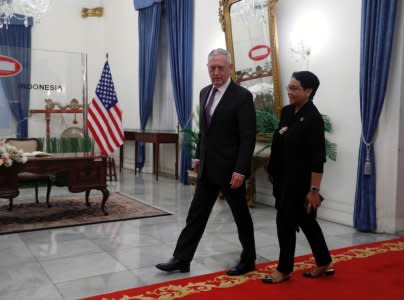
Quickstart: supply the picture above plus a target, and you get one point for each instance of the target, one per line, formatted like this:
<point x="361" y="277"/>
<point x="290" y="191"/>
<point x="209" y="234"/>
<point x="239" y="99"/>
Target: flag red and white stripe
<point x="104" y="117"/>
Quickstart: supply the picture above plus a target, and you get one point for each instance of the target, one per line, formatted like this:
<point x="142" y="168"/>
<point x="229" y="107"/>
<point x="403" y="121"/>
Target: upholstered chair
<point x="28" y="178"/>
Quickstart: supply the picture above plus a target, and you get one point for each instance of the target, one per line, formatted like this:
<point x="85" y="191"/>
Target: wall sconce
<point x="92" y="12"/>
<point x="309" y="34"/>
<point x="301" y="51"/>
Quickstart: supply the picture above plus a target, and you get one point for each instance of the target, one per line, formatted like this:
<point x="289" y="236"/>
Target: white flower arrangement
<point x="10" y="154"/>
<point x="262" y="89"/>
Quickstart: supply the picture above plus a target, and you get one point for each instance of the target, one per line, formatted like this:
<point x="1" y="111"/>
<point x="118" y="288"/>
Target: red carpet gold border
<point x="173" y="291"/>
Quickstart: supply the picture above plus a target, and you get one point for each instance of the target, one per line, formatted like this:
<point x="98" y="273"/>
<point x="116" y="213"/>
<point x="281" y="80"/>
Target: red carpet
<point x="369" y="271"/>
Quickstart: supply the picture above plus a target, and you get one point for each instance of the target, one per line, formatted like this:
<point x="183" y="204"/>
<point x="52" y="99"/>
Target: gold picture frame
<point x="273" y="70"/>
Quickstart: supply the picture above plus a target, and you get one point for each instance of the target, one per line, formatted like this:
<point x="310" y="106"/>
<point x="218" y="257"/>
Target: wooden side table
<point x="156" y="137"/>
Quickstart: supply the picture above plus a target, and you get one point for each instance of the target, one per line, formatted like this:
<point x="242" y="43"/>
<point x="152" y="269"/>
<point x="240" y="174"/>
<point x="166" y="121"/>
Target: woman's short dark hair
<point x="308" y="80"/>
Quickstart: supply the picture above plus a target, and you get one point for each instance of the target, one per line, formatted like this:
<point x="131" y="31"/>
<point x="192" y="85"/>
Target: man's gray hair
<point x="220" y="51"/>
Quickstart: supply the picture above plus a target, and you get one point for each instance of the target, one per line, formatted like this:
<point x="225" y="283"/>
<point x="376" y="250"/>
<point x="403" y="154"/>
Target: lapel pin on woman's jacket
<point x="283" y="130"/>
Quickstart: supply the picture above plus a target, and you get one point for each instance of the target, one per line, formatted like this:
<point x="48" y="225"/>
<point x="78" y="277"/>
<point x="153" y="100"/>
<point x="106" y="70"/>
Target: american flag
<point x="104" y="117"/>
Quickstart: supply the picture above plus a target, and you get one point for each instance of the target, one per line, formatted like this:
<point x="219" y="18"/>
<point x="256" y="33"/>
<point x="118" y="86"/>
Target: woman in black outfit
<point x="295" y="168"/>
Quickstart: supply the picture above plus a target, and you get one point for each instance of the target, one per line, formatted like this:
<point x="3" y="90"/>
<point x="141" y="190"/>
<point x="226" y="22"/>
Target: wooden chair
<point x="25" y="178"/>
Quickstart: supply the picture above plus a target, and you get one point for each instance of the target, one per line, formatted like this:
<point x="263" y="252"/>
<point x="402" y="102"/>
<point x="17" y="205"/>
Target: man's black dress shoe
<point x="174" y="264"/>
<point x="241" y="268"/>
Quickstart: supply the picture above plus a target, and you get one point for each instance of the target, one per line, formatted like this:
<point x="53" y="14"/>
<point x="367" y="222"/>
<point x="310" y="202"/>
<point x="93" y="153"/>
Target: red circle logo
<point x="259" y="52"/>
<point x="9" y="66"/>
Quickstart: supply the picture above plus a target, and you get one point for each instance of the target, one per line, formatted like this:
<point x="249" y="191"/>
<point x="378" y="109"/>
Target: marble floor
<point x="75" y="262"/>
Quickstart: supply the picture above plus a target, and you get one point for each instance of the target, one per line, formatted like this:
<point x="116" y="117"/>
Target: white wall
<point x="207" y="36"/>
<point x="63" y="29"/>
<point x="121" y="42"/>
<point x="335" y="59"/>
<point x="115" y="33"/>
<point x="390" y="141"/>
<point x="120" y="38"/>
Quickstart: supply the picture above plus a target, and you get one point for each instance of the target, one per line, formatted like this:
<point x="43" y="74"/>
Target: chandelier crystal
<point x="22" y="10"/>
<point x="250" y="11"/>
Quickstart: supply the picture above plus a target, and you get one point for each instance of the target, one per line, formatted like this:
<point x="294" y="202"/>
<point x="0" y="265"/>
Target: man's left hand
<point x="236" y="180"/>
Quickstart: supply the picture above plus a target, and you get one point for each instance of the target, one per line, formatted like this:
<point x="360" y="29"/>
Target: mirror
<point x="251" y="39"/>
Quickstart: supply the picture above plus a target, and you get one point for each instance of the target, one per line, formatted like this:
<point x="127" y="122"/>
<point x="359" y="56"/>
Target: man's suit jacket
<point x="227" y="144"/>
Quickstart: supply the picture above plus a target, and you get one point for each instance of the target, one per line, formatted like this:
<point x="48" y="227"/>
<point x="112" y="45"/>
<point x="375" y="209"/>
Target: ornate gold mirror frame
<point x="258" y="72"/>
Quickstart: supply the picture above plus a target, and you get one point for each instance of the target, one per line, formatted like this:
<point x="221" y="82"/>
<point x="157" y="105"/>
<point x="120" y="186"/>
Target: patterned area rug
<point x="368" y="271"/>
<point x="71" y="210"/>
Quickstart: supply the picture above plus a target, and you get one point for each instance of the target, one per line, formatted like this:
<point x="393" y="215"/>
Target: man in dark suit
<point x="224" y="151"/>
